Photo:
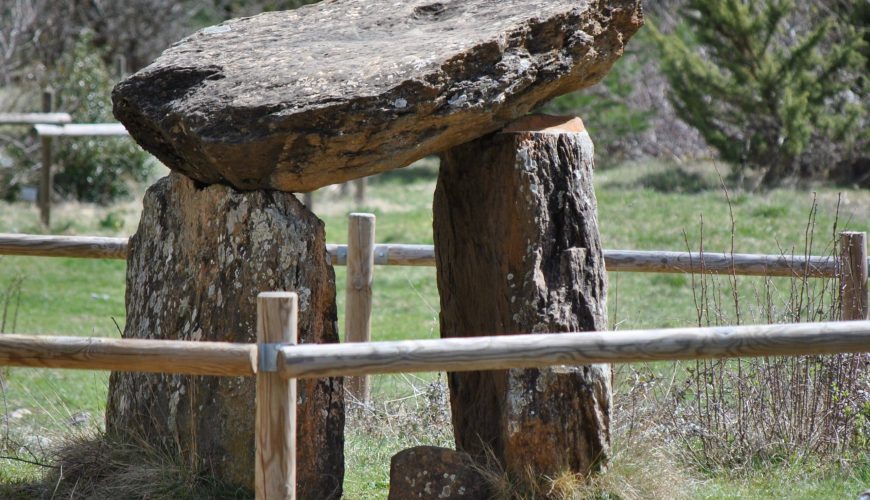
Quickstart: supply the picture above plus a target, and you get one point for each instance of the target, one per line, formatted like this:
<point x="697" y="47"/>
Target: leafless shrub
<point x="731" y="413"/>
<point x="421" y="417"/>
<point x="643" y="461"/>
<point x="639" y="469"/>
<point x="642" y="466"/>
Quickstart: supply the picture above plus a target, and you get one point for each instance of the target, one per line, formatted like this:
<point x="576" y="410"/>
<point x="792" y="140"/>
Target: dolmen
<point x="250" y="111"/>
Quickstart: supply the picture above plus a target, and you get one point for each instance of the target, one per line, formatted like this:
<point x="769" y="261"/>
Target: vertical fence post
<point x="308" y="200"/>
<point x="853" y="275"/>
<point x="275" y="427"/>
<point x="360" y="195"/>
<point x="358" y="305"/>
<point x="45" y="187"/>
<point x="121" y="62"/>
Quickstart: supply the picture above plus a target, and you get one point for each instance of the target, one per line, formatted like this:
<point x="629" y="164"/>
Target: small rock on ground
<point x="434" y="472"/>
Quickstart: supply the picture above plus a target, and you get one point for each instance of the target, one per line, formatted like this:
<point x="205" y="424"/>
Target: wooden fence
<point x="34" y="118"/>
<point x="361" y="254"/>
<point x="47" y="132"/>
<point x="49" y="125"/>
<point x="397" y="254"/>
<point x="277" y="362"/>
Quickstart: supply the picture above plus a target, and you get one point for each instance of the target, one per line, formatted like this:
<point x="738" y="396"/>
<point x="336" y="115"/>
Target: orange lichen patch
<point x="547" y="124"/>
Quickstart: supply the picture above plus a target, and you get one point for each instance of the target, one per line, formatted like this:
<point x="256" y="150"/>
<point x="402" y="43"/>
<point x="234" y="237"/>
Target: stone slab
<point x="343" y="89"/>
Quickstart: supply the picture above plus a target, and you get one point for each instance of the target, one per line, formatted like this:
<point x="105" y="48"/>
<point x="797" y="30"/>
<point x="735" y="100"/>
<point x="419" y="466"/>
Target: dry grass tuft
<point x="641" y="467"/>
<point x="102" y="466"/>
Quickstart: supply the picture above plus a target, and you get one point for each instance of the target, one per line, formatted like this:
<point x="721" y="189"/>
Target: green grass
<point x="641" y="206"/>
<point x="810" y="480"/>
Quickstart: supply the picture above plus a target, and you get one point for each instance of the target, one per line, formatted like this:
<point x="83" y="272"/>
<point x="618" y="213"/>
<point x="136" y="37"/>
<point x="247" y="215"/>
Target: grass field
<point x="641" y="206"/>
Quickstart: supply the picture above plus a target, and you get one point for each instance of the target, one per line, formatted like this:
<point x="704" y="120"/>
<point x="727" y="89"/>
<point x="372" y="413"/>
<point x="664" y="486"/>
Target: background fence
<point x="49" y="125"/>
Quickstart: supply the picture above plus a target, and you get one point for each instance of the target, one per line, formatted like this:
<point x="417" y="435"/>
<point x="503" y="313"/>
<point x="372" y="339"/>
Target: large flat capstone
<point x="343" y="89"/>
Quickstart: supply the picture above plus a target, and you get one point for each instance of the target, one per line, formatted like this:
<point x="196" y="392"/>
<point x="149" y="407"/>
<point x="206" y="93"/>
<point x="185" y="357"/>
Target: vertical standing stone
<point x="518" y="251"/>
<point x="194" y="269"/>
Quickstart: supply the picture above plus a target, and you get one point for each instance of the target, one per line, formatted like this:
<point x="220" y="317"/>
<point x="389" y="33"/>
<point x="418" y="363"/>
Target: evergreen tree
<point x="756" y="90"/>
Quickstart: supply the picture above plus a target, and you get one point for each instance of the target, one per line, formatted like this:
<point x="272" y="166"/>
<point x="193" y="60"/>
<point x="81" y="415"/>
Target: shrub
<point x="675" y="180"/>
<point x="733" y="413"/>
<point x="757" y="89"/>
<point x="613" y="124"/>
<point x="93" y="169"/>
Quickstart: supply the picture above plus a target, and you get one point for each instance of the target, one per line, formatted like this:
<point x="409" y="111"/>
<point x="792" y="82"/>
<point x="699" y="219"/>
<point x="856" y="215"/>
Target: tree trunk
<point x="195" y="266"/>
<point x="517" y="250"/>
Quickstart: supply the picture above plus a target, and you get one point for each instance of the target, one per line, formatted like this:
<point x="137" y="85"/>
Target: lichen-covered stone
<point x="194" y="269"/>
<point x="342" y="89"/>
<point x="518" y="251"/>
<point x="431" y="472"/>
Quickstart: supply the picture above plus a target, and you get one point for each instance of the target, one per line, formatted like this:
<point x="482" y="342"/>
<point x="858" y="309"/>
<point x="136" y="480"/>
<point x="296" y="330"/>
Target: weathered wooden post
<point x="275" y="430"/>
<point x="359" y="195"/>
<point x="518" y="251"/>
<point x="45" y="180"/>
<point x="853" y="275"/>
<point x="358" y="306"/>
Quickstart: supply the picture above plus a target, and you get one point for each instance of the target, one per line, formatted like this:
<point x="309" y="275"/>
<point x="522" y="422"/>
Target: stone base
<point x="194" y="269"/>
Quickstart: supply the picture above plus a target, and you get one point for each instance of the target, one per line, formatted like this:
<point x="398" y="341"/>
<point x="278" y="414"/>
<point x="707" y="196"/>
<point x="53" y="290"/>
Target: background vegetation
<point x="758" y="90"/>
<point x="776" y="89"/>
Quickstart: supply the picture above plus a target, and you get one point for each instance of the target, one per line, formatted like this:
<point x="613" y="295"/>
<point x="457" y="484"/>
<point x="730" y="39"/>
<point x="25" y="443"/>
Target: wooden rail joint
<point x="267" y="356"/>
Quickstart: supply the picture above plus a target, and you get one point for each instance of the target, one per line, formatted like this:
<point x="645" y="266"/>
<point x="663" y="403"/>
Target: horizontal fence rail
<point x="34" y="118"/>
<point x="424" y="255"/>
<point x="537" y="350"/>
<point x="390" y="255"/>
<point x="746" y="264"/>
<point x="139" y="355"/>
<point x="89" y="247"/>
<point x="81" y="130"/>
<point x="456" y="354"/>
